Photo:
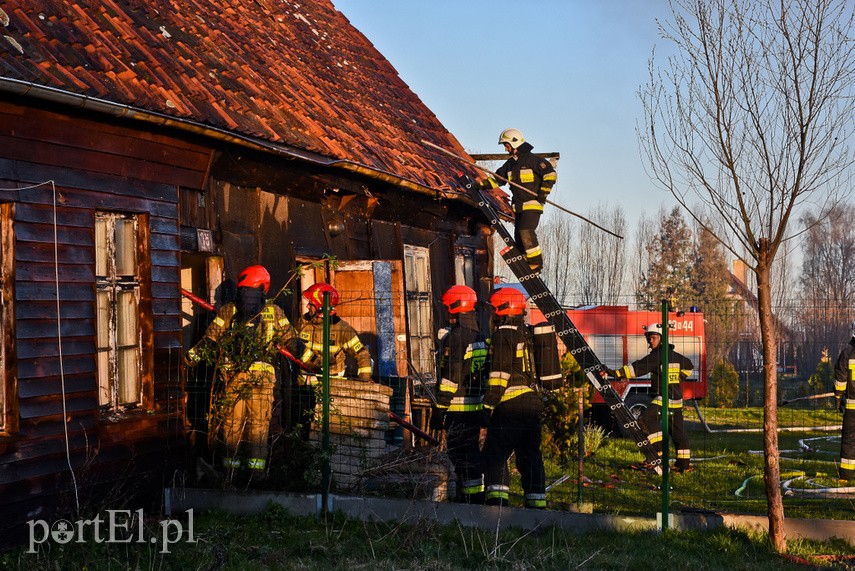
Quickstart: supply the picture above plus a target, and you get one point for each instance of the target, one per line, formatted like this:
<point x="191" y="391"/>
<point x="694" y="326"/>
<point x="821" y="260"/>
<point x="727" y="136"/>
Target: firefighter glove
<point x="485" y="417"/>
<point x="437" y="419"/>
<point x="191" y="358"/>
<point x="841" y="403"/>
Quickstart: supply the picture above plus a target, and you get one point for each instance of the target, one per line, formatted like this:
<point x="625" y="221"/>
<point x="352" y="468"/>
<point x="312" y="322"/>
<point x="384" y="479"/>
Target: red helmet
<point x="508" y="301"/>
<point x="460" y="299"/>
<point x="254" y="276"/>
<point x="315" y="295"/>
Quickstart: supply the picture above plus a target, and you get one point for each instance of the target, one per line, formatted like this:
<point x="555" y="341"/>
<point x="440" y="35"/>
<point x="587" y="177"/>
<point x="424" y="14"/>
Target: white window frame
<point x="118" y="316"/>
<point x="419" y="296"/>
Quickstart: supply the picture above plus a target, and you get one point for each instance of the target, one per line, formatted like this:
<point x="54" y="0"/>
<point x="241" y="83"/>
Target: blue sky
<point x="564" y="72"/>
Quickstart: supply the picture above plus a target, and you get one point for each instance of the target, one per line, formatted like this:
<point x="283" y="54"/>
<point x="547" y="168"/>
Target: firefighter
<point x="344" y="341"/>
<point x="844" y="390"/>
<point x="343" y="338"/>
<point x="523" y="360"/>
<point x="538" y="177"/>
<point x="679" y="369"/>
<point x="461" y="389"/>
<point x="247" y="368"/>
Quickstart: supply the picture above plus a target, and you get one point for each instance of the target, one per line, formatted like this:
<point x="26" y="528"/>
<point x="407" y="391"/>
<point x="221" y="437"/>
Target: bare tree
<point x="751" y="116"/>
<point x="556" y="235"/>
<point x="827" y="280"/>
<point x="644" y="236"/>
<point x="601" y="264"/>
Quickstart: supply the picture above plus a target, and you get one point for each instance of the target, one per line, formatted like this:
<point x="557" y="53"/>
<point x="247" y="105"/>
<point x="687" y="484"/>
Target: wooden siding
<point x="94" y="166"/>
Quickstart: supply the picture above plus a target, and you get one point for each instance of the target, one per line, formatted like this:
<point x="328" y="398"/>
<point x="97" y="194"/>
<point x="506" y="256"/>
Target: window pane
<point x="129" y="375"/>
<point x="609" y="348"/>
<point x="636" y="346"/>
<point x="126" y="310"/>
<point x="100" y="246"/>
<point x="126" y="247"/>
<point x="103" y="318"/>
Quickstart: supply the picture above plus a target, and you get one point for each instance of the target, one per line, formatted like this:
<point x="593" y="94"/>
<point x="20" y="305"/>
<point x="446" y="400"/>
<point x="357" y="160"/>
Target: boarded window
<point x="419" y="310"/>
<point x="118" y="295"/>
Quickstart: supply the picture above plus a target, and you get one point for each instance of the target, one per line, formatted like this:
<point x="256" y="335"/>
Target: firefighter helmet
<point x="460" y="299"/>
<point x="315" y="295"/>
<point x="653" y="329"/>
<point x="508" y="301"/>
<point x="513" y="137"/>
<point x="254" y="276"/>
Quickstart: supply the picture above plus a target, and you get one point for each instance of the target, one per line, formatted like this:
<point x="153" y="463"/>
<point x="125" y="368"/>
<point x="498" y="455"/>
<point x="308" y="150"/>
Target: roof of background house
<point x="295" y="77"/>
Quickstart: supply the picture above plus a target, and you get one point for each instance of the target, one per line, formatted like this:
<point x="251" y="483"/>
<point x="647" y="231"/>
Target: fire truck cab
<point x="616" y="335"/>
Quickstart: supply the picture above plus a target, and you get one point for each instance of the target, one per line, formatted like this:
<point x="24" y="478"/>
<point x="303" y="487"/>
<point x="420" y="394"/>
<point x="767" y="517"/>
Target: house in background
<point x="147" y="147"/>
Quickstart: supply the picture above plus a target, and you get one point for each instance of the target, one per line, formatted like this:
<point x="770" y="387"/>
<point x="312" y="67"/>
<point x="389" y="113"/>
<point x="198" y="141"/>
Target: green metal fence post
<point x="664" y="395"/>
<point x="326" y="472"/>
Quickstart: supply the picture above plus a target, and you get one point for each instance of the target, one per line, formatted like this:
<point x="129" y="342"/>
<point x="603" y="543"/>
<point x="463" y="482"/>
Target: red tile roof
<point x="295" y="74"/>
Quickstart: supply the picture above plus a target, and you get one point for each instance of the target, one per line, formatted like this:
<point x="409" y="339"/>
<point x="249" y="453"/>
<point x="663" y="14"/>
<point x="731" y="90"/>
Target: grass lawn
<point x="727" y="476"/>
<point x="277" y="540"/>
<point x="727" y="470"/>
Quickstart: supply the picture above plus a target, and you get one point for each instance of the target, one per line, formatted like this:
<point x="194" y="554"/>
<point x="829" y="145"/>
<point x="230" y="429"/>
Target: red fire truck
<point x="616" y="335"/>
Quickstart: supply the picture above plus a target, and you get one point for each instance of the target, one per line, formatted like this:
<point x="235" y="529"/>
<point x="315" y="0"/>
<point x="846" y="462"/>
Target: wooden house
<point x="149" y="146"/>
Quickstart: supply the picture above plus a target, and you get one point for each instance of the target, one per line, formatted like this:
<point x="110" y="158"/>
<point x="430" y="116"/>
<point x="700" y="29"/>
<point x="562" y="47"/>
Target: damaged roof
<point x="295" y="76"/>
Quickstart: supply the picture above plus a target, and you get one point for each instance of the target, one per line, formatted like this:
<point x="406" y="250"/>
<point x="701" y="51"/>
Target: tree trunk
<point x="772" y="473"/>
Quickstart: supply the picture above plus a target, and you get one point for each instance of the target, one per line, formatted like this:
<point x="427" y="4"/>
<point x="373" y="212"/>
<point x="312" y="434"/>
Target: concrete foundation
<point x="178" y="500"/>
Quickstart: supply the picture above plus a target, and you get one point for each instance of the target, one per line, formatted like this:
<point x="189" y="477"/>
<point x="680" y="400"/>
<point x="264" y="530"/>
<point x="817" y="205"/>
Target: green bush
<point x="823" y="379"/>
<point x="724" y="382"/>
<point x="561" y="415"/>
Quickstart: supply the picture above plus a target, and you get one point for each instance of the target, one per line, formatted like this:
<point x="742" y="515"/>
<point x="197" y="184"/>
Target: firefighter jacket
<point x="271" y="325"/>
<point x="463" y="367"/>
<point x="679" y="369"/>
<point x="523" y="361"/>
<point x="844" y="374"/>
<point x="530" y="171"/>
<point x="343" y="341"/>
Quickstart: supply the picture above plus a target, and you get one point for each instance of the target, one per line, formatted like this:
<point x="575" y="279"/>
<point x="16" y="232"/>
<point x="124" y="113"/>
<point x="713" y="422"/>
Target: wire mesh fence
<point x="372" y="453"/>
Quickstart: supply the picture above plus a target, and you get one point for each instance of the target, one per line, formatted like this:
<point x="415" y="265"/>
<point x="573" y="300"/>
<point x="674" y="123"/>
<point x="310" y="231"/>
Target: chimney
<point x="740" y="271"/>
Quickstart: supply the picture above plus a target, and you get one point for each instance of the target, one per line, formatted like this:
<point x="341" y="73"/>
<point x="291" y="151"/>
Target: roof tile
<point x="293" y="73"/>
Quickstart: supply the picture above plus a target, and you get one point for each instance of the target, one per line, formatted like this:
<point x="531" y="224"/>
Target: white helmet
<point x="653" y="329"/>
<point x="513" y="137"/>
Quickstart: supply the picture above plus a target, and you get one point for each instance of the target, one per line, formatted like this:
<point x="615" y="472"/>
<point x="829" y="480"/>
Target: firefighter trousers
<point x="247" y="407"/>
<point x="463" y="432"/>
<point x="514" y="431"/>
<point x="847" y="442"/>
<point x="525" y="237"/>
<point x="651" y="422"/>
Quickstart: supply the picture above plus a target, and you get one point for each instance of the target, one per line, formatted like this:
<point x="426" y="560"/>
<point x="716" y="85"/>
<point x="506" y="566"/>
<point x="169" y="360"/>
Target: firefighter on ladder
<point x="459" y="404"/>
<point x="537" y="176"/>
<point x="844" y="390"/>
<point x="244" y="408"/>
<point x="523" y="361"/>
<point x="679" y="369"/>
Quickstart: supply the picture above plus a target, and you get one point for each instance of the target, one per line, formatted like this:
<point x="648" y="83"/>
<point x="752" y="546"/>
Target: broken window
<point x="118" y="296"/>
<point x="419" y="308"/>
